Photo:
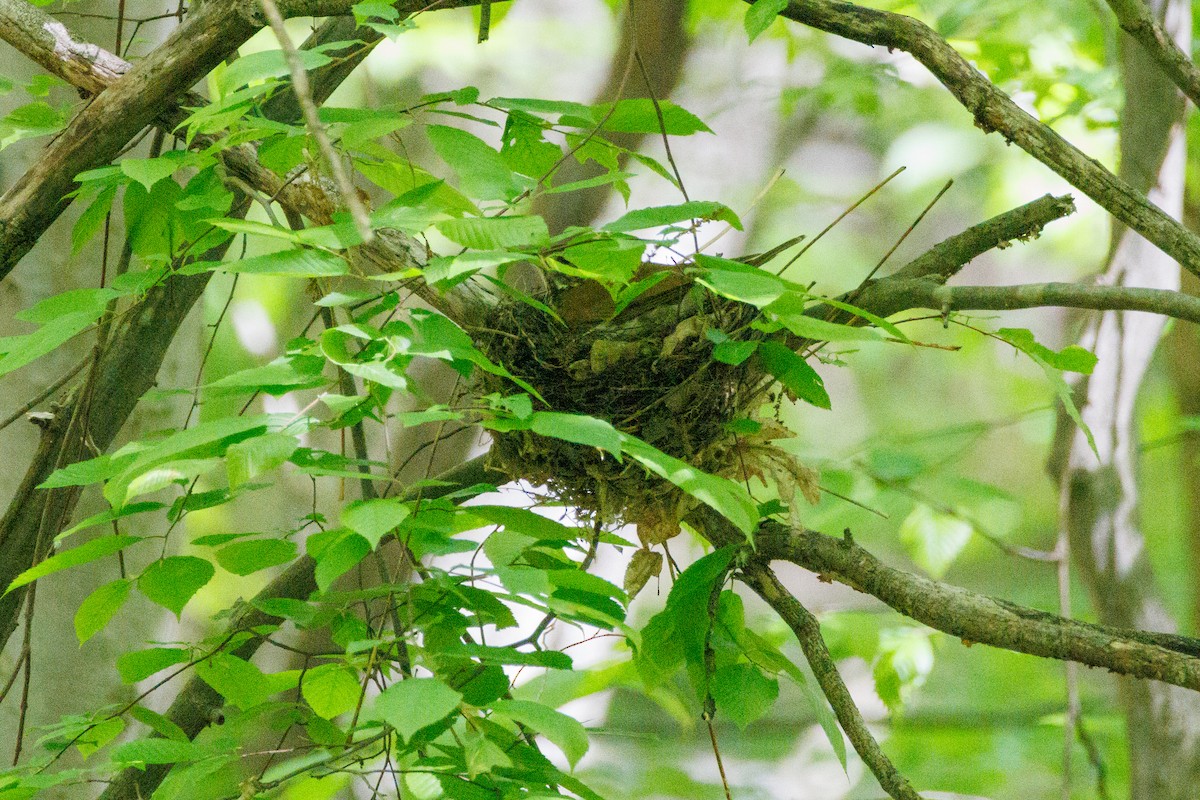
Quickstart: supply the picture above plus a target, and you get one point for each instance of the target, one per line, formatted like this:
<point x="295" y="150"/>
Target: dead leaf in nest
<point x="655" y="526"/>
<point x="644" y="565"/>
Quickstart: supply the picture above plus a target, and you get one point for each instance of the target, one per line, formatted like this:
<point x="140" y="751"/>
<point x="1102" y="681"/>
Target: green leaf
<point x="496" y="233"/>
<point x="564" y="731"/>
<point x="263" y="65"/>
<point x="578" y="429"/>
<point x="729" y="499"/>
<point x="330" y="690"/>
<point x="83" y="554"/>
<point x="481" y="169"/>
<point x="251" y="458"/>
<point x="336" y="552"/>
<point x="789" y="310"/>
<point x="246" y="558"/>
<point x="738" y="281"/>
<point x="158" y="751"/>
<point x="280" y="377"/>
<point x="794" y="373"/>
<point x="373" y="519"/>
<point x="92" y="219"/>
<point x="934" y="539"/>
<point x="99" y="607"/>
<point x="678" y="633"/>
<point x="237" y="680"/>
<point x="1072" y="358"/>
<point x="149" y="171"/>
<point x="206" y="440"/>
<point x="743" y="693"/>
<point x="173" y="581"/>
<point x="99" y="735"/>
<point x="660" y="216"/>
<point x="294" y="263"/>
<point x="610" y="261"/>
<point x="733" y="352"/>
<point x="639" y="115"/>
<point x="415" y="703"/>
<point x="158" y="723"/>
<point x="760" y="16"/>
<point x="105" y="517"/>
<point x="138" y="665"/>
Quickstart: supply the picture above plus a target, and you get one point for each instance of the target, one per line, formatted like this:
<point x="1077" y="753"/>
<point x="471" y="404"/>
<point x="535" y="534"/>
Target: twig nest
<point x="650" y="373"/>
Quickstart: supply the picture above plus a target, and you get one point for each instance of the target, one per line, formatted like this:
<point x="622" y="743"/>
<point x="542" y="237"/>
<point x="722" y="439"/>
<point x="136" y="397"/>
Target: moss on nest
<point x="649" y="373"/>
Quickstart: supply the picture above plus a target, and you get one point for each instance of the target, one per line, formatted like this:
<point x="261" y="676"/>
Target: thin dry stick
<point x="840" y="217"/>
<point x="49" y="390"/>
<point x="312" y="121"/>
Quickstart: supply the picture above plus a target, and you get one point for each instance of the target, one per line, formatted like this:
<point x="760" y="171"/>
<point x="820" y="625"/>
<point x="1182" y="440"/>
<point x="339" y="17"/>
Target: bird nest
<point x="649" y="372"/>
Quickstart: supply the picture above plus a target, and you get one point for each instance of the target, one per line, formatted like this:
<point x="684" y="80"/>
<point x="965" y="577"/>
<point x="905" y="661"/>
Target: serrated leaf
<point x="416" y="703"/>
<point x="99" y="607"/>
<point x="158" y="723"/>
<point x="729" y="499"/>
<point x="294" y="263"/>
<point x="643" y="115"/>
<point x="173" y="581"/>
<point x="330" y="690"/>
<point x="496" y="233"/>
<point x="99" y="735"/>
<point x="372" y="519"/>
<point x="743" y="693"/>
<point x="83" y="554"/>
<point x="564" y="731"/>
<point x="149" y="171"/>
<point x="481" y="170"/>
<point x="660" y="216"/>
<point x="158" y="751"/>
<point x="344" y="550"/>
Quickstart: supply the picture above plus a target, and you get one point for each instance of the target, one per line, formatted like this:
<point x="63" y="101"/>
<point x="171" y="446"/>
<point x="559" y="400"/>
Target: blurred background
<point x="942" y="451"/>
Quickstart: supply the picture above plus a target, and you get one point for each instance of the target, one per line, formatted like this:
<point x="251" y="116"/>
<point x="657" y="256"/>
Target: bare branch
<point x="804" y="625"/>
<point x="303" y="93"/>
<point x="993" y="110"/>
<point x="974" y="618"/>
<point x="925" y="293"/>
<point x="1136" y="19"/>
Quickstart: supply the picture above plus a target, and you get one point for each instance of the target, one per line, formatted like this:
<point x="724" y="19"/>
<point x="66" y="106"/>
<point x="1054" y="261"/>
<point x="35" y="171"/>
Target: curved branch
<point x="974" y="618"/>
<point x="1136" y="19"/>
<point x="993" y="110"/>
<point x="804" y="625"/>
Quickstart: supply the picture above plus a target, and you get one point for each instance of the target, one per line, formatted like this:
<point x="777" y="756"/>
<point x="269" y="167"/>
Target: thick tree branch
<point x="974" y="618"/>
<point x="925" y="293"/>
<point x="995" y="111"/>
<point x="195" y="706"/>
<point x="96" y="135"/>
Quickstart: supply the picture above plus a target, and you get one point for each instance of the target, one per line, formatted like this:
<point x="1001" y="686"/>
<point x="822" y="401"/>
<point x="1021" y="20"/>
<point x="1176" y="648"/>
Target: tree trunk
<point x="1100" y="499"/>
